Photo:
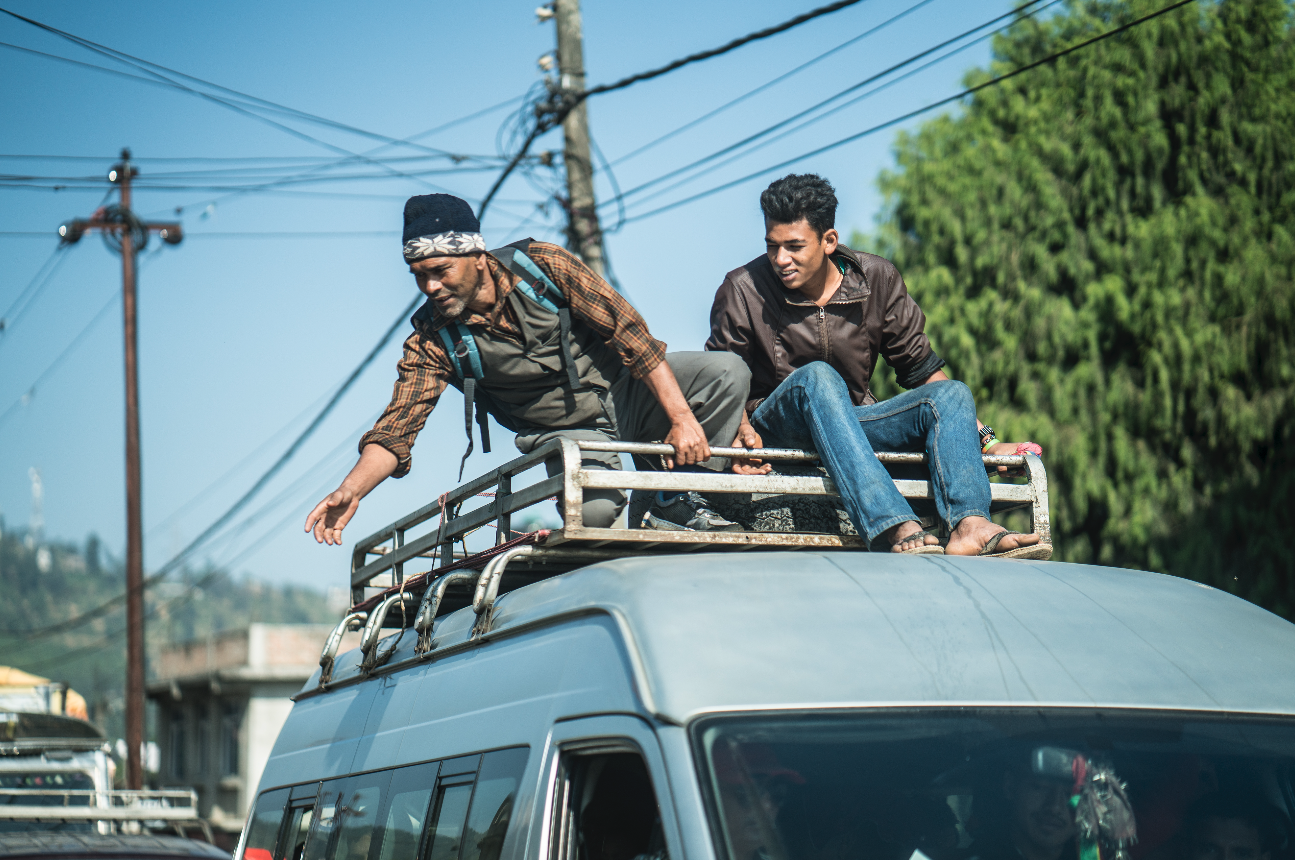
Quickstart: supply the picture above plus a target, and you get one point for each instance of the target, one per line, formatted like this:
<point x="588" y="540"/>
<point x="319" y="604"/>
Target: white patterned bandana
<point x="450" y="244"/>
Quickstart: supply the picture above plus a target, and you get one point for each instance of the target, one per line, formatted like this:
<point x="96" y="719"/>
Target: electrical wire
<point x="225" y="102"/>
<point x="34" y="286"/>
<point x="715" y="52"/>
<point x="193" y="545"/>
<point x="815" y="107"/>
<point x="910" y="115"/>
<point x="784" y="76"/>
<point x="54" y="365"/>
<point x="866" y="94"/>
<point x="151" y="68"/>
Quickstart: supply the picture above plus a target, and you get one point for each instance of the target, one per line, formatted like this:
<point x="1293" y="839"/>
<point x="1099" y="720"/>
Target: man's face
<point x="452" y="282"/>
<point x="749" y="812"/>
<point x="1228" y="839"/>
<point x="1041" y="814"/>
<point x="797" y="252"/>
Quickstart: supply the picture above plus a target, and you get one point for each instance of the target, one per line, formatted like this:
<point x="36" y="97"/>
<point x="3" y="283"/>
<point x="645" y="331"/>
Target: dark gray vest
<point x="559" y="374"/>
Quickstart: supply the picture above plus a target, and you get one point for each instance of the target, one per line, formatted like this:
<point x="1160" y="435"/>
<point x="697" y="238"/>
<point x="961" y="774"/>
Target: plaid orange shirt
<point x="425" y="370"/>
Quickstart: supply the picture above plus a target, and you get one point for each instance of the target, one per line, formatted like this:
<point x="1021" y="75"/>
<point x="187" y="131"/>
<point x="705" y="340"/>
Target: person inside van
<point x="752" y="789"/>
<point x="1029" y="817"/>
<point x="1222" y="827"/>
<point x="810" y="317"/>
<point x="535" y="339"/>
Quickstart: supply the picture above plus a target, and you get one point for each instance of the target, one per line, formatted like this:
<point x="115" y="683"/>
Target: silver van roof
<point x="831" y="629"/>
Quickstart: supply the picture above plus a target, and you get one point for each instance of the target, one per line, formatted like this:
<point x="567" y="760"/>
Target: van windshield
<point x="997" y="785"/>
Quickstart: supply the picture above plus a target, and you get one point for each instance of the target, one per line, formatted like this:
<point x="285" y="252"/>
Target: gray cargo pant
<point x="716" y="386"/>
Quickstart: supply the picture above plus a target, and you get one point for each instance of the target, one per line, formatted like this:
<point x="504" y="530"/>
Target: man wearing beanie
<point x="535" y="339"/>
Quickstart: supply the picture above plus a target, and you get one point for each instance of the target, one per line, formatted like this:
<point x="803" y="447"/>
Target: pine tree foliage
<point x="1105" y="250"/>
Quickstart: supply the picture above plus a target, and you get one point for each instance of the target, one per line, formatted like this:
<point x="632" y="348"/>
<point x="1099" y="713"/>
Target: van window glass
<point x="997" y="784"/>
<point x="294" y="843"/>
<point x="356" y="820"/>
<point x="263" y="831"/>
<point x="609" y="810"/>
<point x="321" y="831"/>
<point x="451" y="810"/>
<point x="492" y="803"/>
<point x="410" y="797"/>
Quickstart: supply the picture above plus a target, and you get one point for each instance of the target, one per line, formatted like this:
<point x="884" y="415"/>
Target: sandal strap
<point x="991" y="545"/>
<point x="916" y="536"/>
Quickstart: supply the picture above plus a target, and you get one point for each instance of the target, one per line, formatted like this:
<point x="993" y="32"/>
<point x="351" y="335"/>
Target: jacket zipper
<point x="824" y="348"/>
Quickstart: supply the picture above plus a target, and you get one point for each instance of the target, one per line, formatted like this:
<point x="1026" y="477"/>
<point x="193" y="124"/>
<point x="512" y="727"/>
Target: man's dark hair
<point x="801" y="195"/>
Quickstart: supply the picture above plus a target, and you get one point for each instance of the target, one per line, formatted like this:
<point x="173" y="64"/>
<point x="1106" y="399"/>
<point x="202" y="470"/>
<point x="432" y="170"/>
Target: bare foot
<point x="897" y="534"/>
<point x="972" y="533"/>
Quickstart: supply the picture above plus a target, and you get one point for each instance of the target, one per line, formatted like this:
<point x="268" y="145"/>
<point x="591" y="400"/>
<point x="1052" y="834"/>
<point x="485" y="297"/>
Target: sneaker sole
<point x="651" y="522"/>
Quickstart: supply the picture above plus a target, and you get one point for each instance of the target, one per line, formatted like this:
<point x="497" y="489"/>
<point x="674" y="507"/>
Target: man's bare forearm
<point x="376" y="464"/>
<point x="685" y="434"/>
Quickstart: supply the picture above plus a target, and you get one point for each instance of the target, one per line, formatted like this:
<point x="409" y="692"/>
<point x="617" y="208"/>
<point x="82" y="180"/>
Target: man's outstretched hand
<point x="748" y="438"/>
<point x="331" y="516"/>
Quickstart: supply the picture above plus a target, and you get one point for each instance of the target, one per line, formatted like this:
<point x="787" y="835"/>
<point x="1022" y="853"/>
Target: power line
<point x="179" y="557"/>
<point x="910" y="115"/>
<point x="772" y="128"/>
<point x="238" y="107"/>
<point x="148" y="67"/>
<point x="337" y="162"/>
<point x="749" y="93"/>
<point x="722" y="49"/>
<point x="62" y="356"/>
<point x="866" y="94"/>
<point x="46" y="268"/>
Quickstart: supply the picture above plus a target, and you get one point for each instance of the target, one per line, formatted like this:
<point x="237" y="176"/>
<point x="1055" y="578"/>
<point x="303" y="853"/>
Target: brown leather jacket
<point x="777" y="330"/>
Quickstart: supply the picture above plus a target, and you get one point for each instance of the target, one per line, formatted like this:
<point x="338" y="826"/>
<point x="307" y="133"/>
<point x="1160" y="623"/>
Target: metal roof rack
<point x="124" y="810"/>
<point x="384" y="597"/>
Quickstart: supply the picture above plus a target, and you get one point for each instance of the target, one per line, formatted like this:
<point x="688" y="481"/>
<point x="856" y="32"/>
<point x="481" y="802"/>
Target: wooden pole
<point x="584" y="235"/>
<point x="134" y="522"/>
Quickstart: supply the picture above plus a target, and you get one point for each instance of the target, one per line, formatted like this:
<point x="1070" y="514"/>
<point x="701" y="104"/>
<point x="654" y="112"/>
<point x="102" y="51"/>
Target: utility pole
<point x="584" y="235"/>
<point x="125" y="233"/>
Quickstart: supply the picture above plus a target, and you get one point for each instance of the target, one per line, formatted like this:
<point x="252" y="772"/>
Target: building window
<point x="177" y="744"/>
<point x="204" y="741"/>
<point x="231" y="723"/>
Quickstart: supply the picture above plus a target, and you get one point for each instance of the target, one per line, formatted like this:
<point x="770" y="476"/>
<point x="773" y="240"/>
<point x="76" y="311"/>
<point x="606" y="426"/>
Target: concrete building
<point x="220" y="705"/>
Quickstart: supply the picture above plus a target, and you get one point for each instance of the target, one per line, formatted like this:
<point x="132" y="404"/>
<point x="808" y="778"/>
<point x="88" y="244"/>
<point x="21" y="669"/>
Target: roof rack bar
<point x="385" y="552"/>
<point x="796" y="454"/>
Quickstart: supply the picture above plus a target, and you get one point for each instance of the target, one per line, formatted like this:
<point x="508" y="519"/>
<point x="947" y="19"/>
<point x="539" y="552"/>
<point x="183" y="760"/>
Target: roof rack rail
<point x="111" y="808"/>
<point x="378" y="561"/>
<point x="384" y="597"/>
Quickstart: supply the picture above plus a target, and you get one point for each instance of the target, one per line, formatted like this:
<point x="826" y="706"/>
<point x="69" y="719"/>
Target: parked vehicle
<point x="599" y="698"/>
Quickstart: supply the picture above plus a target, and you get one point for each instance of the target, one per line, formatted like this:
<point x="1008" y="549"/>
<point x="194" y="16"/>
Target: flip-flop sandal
<point x="924" y="549"/>
<point x="1036" y="552"/>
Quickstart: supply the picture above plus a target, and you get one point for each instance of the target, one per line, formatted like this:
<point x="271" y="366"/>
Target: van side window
<point x="607" y="810"/>
<point x="448" y="817"/>
<point x="263" y="831"/>
<point x="406" y="812"/>
<point x="348" y="811"/>
<point x="492" y="803"/>
<point x="294" y="835"/>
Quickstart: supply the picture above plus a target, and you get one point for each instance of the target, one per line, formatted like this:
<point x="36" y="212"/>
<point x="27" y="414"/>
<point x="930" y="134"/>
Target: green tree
<point x="1104" y="247"/>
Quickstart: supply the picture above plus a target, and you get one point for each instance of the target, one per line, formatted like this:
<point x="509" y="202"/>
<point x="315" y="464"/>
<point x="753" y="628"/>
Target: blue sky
<point x="243" y="337"/>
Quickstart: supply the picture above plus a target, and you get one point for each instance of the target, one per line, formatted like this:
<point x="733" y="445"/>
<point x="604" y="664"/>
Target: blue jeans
<point x="811" y="408"/>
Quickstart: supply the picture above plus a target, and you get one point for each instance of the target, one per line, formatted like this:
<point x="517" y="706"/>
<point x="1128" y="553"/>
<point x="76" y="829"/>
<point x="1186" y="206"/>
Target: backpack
<point x="461" y="346"/>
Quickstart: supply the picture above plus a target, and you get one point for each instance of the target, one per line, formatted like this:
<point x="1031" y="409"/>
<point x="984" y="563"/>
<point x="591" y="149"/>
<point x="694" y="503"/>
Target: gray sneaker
<point x="686" y="512"/>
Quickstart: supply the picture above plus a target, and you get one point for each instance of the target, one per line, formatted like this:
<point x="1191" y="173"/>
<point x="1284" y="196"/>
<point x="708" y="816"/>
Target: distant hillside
<point x="44" y="584"/>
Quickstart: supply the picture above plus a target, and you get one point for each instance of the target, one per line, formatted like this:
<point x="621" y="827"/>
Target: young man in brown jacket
<point x="810" y="318"/>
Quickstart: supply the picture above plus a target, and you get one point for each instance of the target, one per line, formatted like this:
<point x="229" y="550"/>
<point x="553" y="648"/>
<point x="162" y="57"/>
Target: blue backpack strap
<point x="466" y="360"/>
<point x="540" y="289"/>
